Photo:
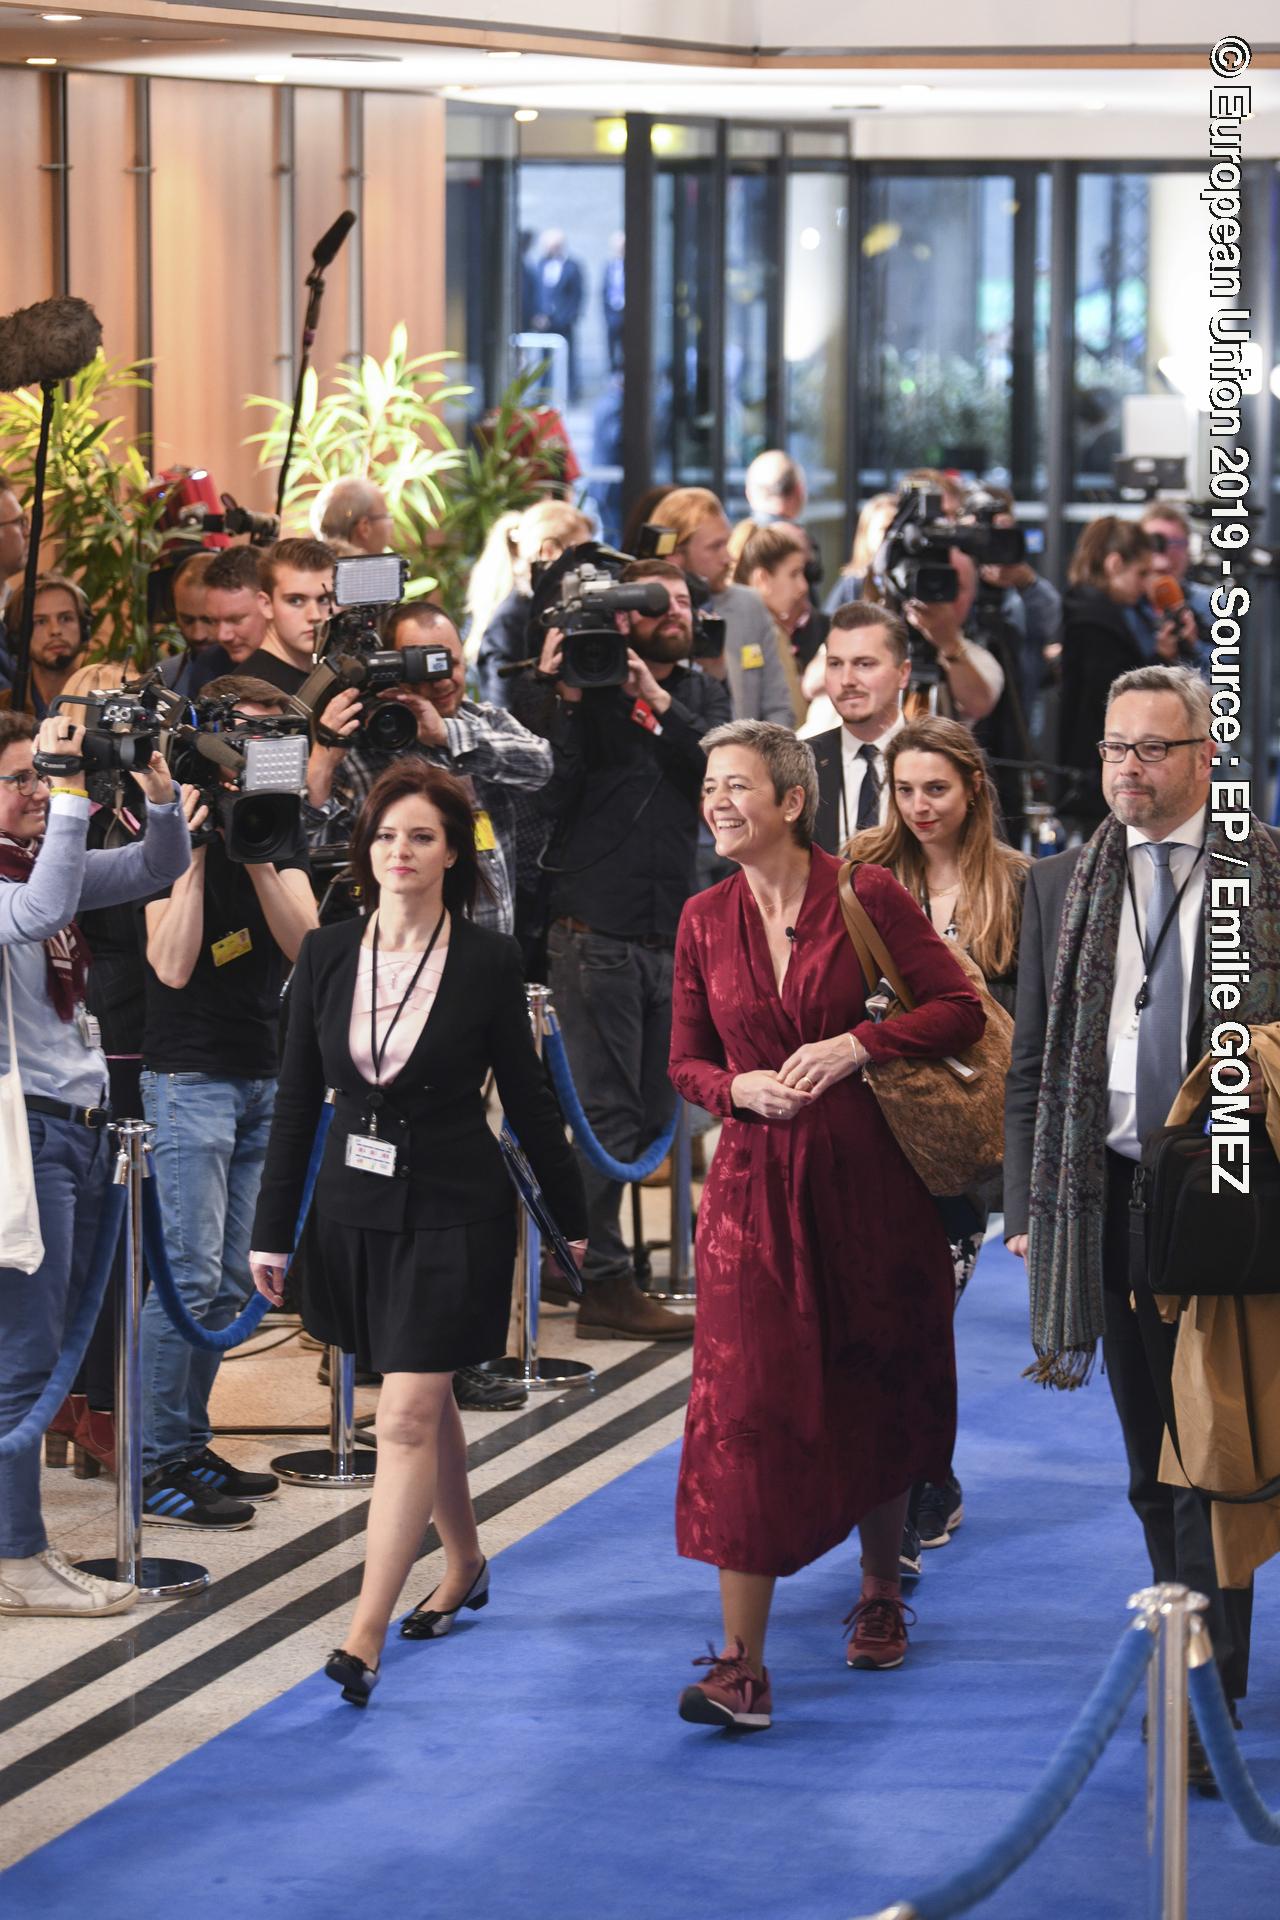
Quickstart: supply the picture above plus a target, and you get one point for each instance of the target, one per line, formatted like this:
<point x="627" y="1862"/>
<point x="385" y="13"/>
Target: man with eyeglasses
<point x="355" y="511"/>
<point x="1111" y="1015"/>
<point x="60" y="632"/>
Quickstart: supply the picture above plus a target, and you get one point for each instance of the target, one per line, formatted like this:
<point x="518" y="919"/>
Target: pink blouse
<point x="395" y="971"/>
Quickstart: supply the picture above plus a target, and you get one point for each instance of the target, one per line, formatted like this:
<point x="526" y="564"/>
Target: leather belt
<point x="652" y="942"/>
<point x="95" y="1117"/>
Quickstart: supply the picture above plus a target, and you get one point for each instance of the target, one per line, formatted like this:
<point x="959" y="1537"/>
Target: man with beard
<point x="59" y="635"/>
<point x="625" y="800"/>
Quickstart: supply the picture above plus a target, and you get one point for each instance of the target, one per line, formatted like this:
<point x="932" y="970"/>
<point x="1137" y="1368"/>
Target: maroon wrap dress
<point x="823" y="1358"/>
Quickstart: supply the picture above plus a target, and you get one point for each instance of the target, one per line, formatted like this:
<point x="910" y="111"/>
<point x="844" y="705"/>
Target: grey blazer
<point x="1042" y="907"/>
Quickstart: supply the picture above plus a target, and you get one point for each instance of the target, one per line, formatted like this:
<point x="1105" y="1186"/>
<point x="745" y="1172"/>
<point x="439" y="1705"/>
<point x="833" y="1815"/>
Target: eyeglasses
<point x="25" y="782"/>
<point x="1150" y="752"/>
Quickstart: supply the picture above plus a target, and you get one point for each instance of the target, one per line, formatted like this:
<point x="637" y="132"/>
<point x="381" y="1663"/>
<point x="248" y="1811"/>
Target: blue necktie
<point x="869" y="791"/>
<point x="1161" y="1021"/>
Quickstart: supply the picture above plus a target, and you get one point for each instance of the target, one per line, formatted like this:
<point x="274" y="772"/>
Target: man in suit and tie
<point x="866" y="677"/>
<point x="560" y="291"/>
<point x="1111" y="996"/>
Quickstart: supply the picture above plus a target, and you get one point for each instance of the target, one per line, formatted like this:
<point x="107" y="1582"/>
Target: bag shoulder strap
<point x="873" y="955"/>
<point x="8" y="1007"/>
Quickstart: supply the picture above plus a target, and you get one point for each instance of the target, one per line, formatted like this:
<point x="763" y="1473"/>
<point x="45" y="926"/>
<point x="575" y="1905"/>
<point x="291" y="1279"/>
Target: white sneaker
<point x="46" y="1583"/>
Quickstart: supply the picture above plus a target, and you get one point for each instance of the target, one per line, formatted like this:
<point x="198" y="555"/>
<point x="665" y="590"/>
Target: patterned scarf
<point x="1068" y="1163"/>
<point x="66" y="953"/>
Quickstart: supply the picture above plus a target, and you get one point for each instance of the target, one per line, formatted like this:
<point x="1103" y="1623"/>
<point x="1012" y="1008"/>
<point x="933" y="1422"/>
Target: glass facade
<point x="816" y="349"/>
<point x="685" y="227"/>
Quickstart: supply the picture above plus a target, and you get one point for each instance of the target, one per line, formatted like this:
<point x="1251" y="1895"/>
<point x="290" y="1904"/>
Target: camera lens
<point x="259" y="826"/>
<point x="390" y="727"/>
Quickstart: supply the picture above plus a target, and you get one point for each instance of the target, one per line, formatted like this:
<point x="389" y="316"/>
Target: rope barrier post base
<point x="342" y="1463"/>
<point x="525" y="1367"/>
<point x="1175" y="1608"/>
<point x="155" y="1579"/>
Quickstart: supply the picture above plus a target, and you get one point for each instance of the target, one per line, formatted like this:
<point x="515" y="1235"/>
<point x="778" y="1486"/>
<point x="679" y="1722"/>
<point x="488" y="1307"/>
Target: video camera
<point x="580" y="593"/>
<point x="251" y="771"/>
<point x="914" y="561"/>
<point x="122" y="729"/>
<point x="354" y="656"/>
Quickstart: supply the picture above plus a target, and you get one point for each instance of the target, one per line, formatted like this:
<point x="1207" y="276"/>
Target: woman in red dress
<point x="823" y="1364"/>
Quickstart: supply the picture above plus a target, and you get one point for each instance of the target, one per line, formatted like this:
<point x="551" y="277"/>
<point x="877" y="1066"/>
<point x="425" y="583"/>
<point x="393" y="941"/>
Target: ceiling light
<point x="42" y="60"/>
<point x="61" y="16"/>
<point x="857" y="106"/>
<point x="810" y="238"/>
<point x="525" y="115"/>
<point x="269" y="79"/>
<point x="914" y="90"/>
<point x="354" y="59"/>
<point x="1092" y="105"/>
<point x="503" y="53"/>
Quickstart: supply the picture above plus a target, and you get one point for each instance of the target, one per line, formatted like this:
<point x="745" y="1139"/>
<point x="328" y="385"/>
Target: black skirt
<point x="423" y="1300"/>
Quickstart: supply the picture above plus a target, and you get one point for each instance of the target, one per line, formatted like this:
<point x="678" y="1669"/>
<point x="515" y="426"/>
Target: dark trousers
<point x="613" y="999"/>
<point x="1175" y="1521"/>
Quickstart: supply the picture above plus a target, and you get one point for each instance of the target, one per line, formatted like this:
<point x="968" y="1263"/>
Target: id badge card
<point x="752" y="654"/>
<point x="367" y="1154"/>
<point x="1123" y="1077"/>
<point x="486" y="838"/>
<point x="231" y="947"/>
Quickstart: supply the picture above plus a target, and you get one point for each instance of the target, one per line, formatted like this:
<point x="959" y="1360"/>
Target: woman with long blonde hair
<point x="940" y="841"/>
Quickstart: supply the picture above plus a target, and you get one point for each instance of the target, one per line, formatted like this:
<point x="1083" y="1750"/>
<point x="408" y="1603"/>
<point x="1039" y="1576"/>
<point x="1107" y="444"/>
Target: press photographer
<point x="218" y="947"/>
<point x="47" y="876"/>
<point x="926" y="570"/>
<point x="625" y="802"/>
<point x="495" y="757"/>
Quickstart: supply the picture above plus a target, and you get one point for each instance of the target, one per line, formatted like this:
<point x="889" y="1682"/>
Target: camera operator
<point x="60" y="631"/>
<point x="625" y="800"/>
<point x="194" y="622"/>
<point x="972" y="678"/>
<point x="218" y="947"/>
<point x="1030" y="606"/>
<point x="355" y="511"/>
<point x="483" y="746"/>
<point x="47" y="876"/>
<point x="752" y="658"/>
<point x="1175" y="610"/>
<point x="295" y="595"/>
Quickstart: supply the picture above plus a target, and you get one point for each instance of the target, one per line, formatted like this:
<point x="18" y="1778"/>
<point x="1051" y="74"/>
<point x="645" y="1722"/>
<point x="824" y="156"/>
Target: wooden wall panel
<point x="404" y="155"/>
<point x="102" y="213"/>
<point x="215" y="275"/>
<point x="26" y="251"/>
<point x="320" y="193"/>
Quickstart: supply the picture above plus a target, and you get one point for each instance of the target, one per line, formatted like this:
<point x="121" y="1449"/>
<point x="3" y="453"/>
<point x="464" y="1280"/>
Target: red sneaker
<point x="730" y="1696"/>
<point x="879" y="1621"/>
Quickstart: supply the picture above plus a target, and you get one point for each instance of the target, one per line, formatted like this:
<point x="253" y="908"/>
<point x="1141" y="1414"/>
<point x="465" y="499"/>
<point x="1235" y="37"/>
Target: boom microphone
<point x="49" y="342"/>
<point x="327" y="246"/>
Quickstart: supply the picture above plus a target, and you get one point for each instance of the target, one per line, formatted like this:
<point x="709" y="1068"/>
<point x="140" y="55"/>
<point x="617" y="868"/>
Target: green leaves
<point x="102" y="528"/>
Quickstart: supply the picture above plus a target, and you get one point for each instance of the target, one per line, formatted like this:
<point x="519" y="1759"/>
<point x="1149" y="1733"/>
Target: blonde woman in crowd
<point x="540" y="536"/>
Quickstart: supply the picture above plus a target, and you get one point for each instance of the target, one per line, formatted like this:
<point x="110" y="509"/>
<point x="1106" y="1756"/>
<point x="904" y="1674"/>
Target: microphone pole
<point x="325" y="250"/>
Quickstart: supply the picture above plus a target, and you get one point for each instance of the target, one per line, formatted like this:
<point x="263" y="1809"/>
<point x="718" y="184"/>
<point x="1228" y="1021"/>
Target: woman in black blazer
<point x="1108" y="576"/>
<point x="410" y="1245"/>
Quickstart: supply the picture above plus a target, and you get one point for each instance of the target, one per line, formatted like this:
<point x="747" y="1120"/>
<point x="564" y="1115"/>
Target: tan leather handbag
<point x="947" y="1115"/>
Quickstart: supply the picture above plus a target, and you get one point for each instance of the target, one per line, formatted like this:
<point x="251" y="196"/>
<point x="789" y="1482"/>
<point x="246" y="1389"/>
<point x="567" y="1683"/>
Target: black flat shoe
<point x="425" y="1624"/>
<point x="351" y="1674"/>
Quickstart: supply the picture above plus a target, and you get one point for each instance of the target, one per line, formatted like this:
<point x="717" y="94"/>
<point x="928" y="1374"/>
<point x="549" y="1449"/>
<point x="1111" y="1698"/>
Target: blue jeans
<point x="72" y="1164"/>
<point x="207" y="1153"/>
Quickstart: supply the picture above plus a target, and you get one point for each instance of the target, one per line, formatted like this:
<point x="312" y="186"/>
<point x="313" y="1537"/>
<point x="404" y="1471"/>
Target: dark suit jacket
<point x="1042" y="906"/>
<point x="828" y="753"/>
<point x="449" y="1169"/>
<point x="1098" y="645"/>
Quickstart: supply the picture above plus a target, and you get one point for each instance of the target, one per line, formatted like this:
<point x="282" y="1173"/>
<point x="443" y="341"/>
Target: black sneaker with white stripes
<point x="171" y="1497"/>
<point x="221" y="1477"/>
<point x="939" y="1511"/>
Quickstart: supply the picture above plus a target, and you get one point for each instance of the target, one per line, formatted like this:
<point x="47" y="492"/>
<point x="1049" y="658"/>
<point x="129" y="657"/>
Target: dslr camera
<point x="580" y="593"/>
<point x="251" y="772"/>
<point x="365" y="588"/>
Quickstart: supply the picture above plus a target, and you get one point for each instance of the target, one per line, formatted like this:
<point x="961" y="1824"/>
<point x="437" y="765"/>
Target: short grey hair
<point x="789" y="761"/>
<point x="343" y="504"/>
<point x="1188" y="686"/>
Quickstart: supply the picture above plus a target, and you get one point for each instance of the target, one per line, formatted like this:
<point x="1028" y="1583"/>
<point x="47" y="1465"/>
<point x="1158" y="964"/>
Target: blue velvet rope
<point x="56" y="1388"/>
<point x="1229" y="1769"/>
<point x="1061" y="1782"/>
<point x="602" y="1161"/>
<point x="217" y="1340"/>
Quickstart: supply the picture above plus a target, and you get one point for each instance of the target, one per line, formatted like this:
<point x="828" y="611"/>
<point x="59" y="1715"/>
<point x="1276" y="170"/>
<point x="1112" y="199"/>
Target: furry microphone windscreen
<point x="48" y="342"/>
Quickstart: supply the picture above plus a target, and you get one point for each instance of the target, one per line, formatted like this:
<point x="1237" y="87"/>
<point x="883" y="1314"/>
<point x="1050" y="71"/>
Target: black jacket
<point x="828" y="752"/>
<point x="1097" y="645"/>
<point x="449" y="1169"/>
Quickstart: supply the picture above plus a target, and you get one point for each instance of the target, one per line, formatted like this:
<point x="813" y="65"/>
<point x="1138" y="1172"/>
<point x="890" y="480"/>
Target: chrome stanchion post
<point x="525" y="1366"/>
<point x="154" y="1579"/>
<point x="342" y="1463"/>
<point x="1175" y="1608"/>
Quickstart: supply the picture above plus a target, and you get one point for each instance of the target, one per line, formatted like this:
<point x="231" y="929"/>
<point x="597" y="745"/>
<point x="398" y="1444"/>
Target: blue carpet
<point x="532" y="1766"/>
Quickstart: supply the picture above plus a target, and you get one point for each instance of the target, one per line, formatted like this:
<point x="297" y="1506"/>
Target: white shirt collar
<point x="1189" y="834"/>
<point x="852" y="746"/>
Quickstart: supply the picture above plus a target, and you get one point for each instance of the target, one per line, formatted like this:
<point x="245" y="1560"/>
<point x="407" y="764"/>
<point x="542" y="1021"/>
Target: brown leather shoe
<point x="618" y="1310"/>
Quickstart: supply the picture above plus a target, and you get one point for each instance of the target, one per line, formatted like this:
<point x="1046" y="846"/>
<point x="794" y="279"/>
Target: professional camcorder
<point x="580" y="594"/>
<point x="364" y="589"/>
<point x="252" y="773"/>
<point x="122" y="728"/>
<point x="914" y="561"/>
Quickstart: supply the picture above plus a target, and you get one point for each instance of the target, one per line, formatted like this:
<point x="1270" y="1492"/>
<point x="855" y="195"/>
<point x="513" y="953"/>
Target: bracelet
<point x="950" y="658"/>
<point x="75" y="793"/>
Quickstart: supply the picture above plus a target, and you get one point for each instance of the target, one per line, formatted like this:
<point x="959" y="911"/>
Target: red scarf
<point x="66" y="954"/>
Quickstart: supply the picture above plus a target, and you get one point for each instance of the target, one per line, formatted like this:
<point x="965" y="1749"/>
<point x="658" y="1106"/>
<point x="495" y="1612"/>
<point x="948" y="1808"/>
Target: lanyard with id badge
<point x="1123" y="1077"/>
<point x="366" y="1152"/>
